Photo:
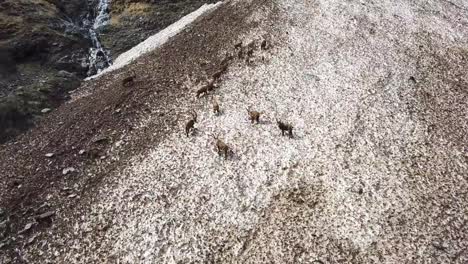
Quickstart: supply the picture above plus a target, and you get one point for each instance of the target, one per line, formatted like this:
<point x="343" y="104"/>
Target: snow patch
<point x="156" y="40"/>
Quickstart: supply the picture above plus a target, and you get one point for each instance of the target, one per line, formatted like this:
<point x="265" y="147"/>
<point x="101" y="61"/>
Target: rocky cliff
<point x="35" y="45"/>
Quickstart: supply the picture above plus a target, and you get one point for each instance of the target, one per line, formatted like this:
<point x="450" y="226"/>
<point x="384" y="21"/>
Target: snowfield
<point x="376" y="171"/>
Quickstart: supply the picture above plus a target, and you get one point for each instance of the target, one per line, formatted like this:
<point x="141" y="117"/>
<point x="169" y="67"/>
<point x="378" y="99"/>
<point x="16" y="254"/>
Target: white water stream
<point x="99" y="58"/>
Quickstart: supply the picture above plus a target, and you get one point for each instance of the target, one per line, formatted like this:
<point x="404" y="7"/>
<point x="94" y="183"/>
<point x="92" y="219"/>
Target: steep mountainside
<point x="360" y="153"/>
<point x="47" y="48"/>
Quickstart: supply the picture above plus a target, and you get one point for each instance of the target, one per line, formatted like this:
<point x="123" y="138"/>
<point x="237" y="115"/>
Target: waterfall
<point x="103" y="14"/>
<point x="99" y="58"/>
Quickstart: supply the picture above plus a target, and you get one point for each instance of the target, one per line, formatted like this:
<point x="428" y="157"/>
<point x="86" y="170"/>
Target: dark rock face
<point x="34" y="47"/>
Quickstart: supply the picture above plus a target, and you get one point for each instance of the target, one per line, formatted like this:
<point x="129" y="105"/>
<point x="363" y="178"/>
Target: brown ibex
<point x="206" y="88"/>
<point x="285" y="127"/>
<point x="221" y="147"/>
<point x="240" y="49"/>
<point x="250" y="52"/>
<point x="219" y="73"/>
<point x="250" y="49"/>
<point x="254" y="116"/>
<point x="216" y="107"/>
<point x="227" y="59"/>
<point x="191" y="123"/>
<point x="238" y="45"/>
<point x="130" y="80"/>
<point x="264" y="45"/>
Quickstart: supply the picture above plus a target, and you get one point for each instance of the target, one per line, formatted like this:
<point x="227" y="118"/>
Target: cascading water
<point x="102" y="17"/>
<point x="99" y="58"/>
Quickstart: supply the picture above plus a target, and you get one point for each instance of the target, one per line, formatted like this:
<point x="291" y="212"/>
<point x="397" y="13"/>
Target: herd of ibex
<point x="254" y="116"/>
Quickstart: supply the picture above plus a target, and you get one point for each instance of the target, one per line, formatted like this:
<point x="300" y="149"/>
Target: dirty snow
<point x="343" y="189"/>
<point x="157" y="40"/>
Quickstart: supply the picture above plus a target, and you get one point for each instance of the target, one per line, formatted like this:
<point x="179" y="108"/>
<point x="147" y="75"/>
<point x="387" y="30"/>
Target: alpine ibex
<point x="221" y="147"/>
<point x="191" y="123"/>
<point x="219" y="73"/>
<point x="264" y="45"/>
<point x="227" y="59"/>
<point x="250" y="52"/>
<point x="254" y="116"/>
<point x="239" y="48"/>
<point x="206" y="88"/>
<point x="130" y="80"/>
<point x="285" y="127"/>
<point x="238" y="45"/>
<point x="216" y="107"/>
<point x="250" y="49"/>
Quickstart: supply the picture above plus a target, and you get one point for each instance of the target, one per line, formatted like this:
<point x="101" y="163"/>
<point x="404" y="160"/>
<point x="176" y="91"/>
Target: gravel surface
<point x="376" y="171"/>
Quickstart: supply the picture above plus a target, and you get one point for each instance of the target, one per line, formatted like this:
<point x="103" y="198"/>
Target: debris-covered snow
<point x="157" y="40"/>
<point x="361" y="181"/>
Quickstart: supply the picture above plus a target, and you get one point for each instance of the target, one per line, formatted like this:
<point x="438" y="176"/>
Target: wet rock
<point x="73" y="63"/>
<point x="65" y="74"/>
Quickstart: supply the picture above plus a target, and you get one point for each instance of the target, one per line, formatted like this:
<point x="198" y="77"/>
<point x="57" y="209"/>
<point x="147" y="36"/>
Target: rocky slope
<point x="45" y="48"/>
<point x="134" y="21"/>
<point x="376" y="171"/>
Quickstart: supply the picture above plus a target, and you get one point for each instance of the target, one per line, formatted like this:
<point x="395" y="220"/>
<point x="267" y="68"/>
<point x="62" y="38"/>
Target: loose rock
<point x="31" y="240"/>
<point x="45" y="215"/>
<point x="26" y="228"/>
<point x="68" y="170"/>
<point x="65" y="74"/>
